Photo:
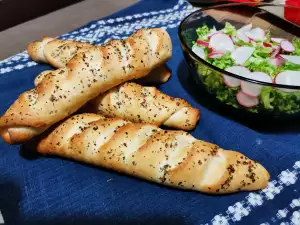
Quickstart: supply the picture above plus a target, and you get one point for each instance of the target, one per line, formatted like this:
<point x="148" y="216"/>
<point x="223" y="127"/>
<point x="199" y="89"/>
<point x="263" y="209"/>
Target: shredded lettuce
<point x="242" y="43"/>
<point x="261" y="65"/>
<point x="267" y="36"/>
<point x="259" y="62"/>
<point x="222" y="62"/>
<point x="296" y="43"/>
<point x="280" y="101"/>
<point x="271" y="99"/>
<point x="275" y="100"/>
<point x="266" y="98"/>
<point x="229" y="29"/>
<point x="262" y="52"/>
<point x="202" y="32"/>
<point x="289" y="66"/>
<point x="214" y="83"/>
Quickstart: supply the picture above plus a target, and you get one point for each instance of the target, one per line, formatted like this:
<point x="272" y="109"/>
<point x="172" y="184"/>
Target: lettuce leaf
<point x="259" y="62"/>
<point x="267" y="36"/>
<point x="229" y="29"/>
<point x="280" y="101"/>
<point x="296" y="43"/>
<point x="222" y="62"/>
<point x="242" y="43"/>
<point x="202" y="32"/>
<point x="289" y="66"/>
<point x="262" y="52"/>
<point x="214" y="83"/>
<point x="261" y="65"/>
<point x="266" y="98"/>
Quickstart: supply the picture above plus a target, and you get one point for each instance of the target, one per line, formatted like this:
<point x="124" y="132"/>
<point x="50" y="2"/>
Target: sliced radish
<point x="256" y="34"/>
<point x="288" y="78"/>
<point x="242" y="36"/>
<point x="245" y="100"/>
<point x="231" y="81"/>
<point x="221" y="42"/>
<point x="252" y="89"/>
<point x="260" y="76"/>
<point x="241" y="54"/>
<point x="278" y="61"/>
<point x="268" y="45"/>
<point x="246" y="28"/>
<point x="241" y="33"/>
<point x="275" y="52"/>
<point x="238" y="70"/>
<point x="203" y="43"/>
<point x="213" y="55"/>
<point x="291" y="58"/>
<point x="212" y="33"/>
<point x="287" y="46"/>
<point x="277" y="40"/>
<point x="198" y="51"/>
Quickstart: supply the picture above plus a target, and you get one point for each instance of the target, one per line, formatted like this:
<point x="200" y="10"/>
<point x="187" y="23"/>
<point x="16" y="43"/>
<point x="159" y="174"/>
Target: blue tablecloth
<point x="57" y="191"/>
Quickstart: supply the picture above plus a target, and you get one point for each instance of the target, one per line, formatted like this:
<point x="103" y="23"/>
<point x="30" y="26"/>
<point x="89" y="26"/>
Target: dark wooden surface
<point x="16" y="39"/>
<point x="14" y="12"/>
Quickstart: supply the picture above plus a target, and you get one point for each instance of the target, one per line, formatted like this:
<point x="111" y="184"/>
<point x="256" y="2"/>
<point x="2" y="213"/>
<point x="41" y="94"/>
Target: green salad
<point x="252" y="53"/>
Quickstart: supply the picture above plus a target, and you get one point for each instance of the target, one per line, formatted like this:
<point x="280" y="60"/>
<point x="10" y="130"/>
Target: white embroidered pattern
<point x="295" y="218"/>
<point x="1" y="218"/>
<point x="243" y="208"/>
<point x="290" y="212"/>
<point x="99" y="32"/>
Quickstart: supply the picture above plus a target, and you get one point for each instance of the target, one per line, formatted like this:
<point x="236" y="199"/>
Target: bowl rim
<point x="222" y="71"/>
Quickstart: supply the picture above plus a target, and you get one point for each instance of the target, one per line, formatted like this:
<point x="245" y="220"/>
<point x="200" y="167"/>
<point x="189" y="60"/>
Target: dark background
<point x="14" y="12"/>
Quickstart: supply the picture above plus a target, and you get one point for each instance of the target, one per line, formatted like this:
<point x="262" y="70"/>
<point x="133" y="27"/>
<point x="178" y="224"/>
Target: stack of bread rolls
<point x="111" y="122"/>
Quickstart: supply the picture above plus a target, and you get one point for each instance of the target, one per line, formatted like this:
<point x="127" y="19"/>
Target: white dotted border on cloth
<point x="243" y="208"/>
<point x="123" y="30"/>
<point x="292" y="211"/>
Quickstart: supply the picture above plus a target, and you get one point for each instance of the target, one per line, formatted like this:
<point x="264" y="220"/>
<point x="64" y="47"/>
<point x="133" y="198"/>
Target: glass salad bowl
<point x="246" y="56"/>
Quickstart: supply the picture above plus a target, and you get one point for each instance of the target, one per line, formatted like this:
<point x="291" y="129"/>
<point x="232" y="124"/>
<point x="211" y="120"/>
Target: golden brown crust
<point x="59" y="52"/>
<point x="157" y="76"/>
<point x="41" y="76"/>
<point x="69" y="128"/>
<point x="36" y="50"/>
<point x="87" y="75"/>
<point x="173" y="158"/>
<point x="136" y="103"/>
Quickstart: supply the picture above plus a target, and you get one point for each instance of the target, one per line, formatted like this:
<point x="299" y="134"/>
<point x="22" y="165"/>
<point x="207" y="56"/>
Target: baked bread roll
<point x="88" y="74"/>
<point x="59" y="52"/>
<point x="136" y="103"/>
<point x="56" y="52"/>
<point x="133" y="102"/>
<point x="172" y="158"/>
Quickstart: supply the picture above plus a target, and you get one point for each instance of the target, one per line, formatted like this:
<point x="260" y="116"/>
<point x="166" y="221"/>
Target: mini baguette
<point x="173" y="158"/>
<point x="136" y="103"/>
<point x="59" y="52"/>
<point x="56" y="52"/>
<point x="86" y="76"/>
<point x="133" y="102"/>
